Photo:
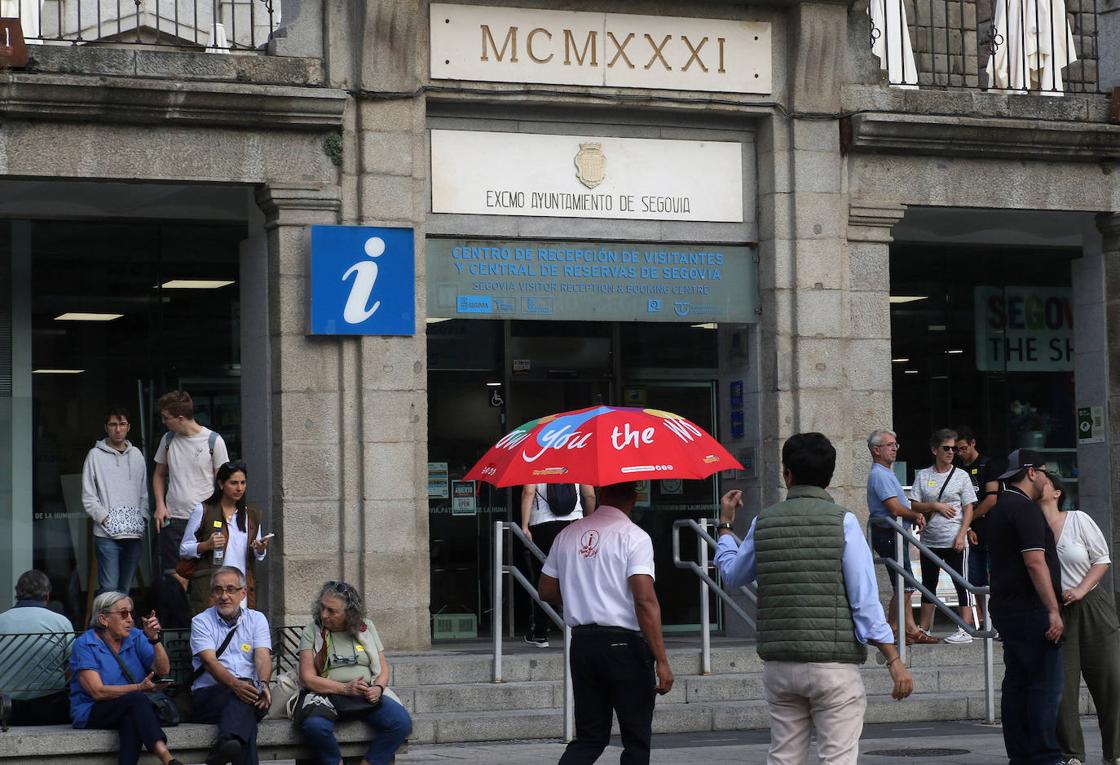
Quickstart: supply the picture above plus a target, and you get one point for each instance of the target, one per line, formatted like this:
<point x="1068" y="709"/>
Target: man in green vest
<point x="818" y="608"/>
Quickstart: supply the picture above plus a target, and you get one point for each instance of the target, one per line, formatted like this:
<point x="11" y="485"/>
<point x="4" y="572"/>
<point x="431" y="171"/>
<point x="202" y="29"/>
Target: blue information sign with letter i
<point x="362" y="281"/>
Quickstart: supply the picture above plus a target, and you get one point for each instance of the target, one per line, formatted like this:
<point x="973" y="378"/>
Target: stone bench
<point x="63" y="745"/>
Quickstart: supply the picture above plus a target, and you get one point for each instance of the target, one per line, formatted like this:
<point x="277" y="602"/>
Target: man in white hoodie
<point x="115" y="494"/>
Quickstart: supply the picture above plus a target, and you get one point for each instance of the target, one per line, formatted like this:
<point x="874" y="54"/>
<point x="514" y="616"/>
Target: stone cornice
<point x="54" y="97"/>
<point x="990" y="138"/>
<point x="871" y="221"/>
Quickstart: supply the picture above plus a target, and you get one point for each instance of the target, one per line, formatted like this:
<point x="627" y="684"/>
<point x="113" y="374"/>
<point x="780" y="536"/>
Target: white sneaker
<point x="960" y="637"/>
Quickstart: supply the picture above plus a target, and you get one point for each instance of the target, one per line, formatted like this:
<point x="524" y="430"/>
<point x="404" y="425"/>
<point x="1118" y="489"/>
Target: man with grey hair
<point x="886" y="501"/>
<point x="34" y="649"/>
<point x="232" y="651"/>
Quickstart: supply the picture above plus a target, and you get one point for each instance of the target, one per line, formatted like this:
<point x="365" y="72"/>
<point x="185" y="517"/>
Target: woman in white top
<point x="542" y="522"/>
<point x="945" y="495"/>
<point x="1090" y="647"/>
<point x="218" y="534"/>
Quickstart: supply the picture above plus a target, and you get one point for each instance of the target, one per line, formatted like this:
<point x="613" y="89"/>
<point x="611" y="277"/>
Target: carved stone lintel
<point x="872" y="221"/>
<point x="299" y="205"/>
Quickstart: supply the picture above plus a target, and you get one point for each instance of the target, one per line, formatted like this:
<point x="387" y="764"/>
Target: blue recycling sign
<point x="363" y="281"/>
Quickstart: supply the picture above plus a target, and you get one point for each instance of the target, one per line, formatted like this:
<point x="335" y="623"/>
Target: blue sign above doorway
<point x="362" y="281"/>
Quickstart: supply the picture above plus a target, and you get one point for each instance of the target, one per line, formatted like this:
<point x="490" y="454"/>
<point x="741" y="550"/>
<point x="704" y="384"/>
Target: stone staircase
<point x="452" y="699"/>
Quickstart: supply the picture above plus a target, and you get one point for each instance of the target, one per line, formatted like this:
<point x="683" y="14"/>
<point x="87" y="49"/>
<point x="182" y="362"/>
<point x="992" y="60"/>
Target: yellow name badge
<point x="931" y="484"/>
<point x="359" y="648"/>
<point x="218" y="524"/>
<point x="246" y="647"/>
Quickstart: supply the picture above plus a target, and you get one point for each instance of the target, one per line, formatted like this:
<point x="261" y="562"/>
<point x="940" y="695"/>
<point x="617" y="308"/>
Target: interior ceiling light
<point x="936" y="327"/>
<point x="954" y="351"/>
<point x="911" y="371"/>
<point x="907" y="298"/>
<point x="195" y="284"/>
<point x="57" y="371"/>
<point x="79" y="316"/>
<point x="493" y="385"/>
<point x="705" y="325"/>
<point x="899" y="361"/>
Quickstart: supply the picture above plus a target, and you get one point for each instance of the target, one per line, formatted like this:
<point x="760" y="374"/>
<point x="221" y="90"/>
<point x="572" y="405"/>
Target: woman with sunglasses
<point x="341" y="658"/>
<point x="945" y="495"/>
<point x="222" y="531"/>
<point x="1090" y="649"/>
<point x="112" y="665"/>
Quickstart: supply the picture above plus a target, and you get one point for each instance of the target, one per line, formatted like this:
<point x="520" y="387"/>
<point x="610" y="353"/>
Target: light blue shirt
<point x="882" y="484"/>
<point x="739" y="566"/>
<point x="208" y="632"/>
<point x="34" y="648"/>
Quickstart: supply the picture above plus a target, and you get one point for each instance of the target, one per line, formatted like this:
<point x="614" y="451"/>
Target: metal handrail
<point x="902" y="576"/>
<point x="704" y="540"/>
<point x="501" y="567"/>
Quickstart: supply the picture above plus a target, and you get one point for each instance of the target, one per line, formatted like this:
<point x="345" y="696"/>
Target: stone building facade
<point x="331" y="125"/>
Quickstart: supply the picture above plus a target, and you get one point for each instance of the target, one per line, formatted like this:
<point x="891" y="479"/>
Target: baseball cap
<point x="1020" y="459"/>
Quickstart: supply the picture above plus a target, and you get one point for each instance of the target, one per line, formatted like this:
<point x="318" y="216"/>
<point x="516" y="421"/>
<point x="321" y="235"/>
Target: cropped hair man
<point x="818" y="608"/>
<point x="232" y="651"/>
<point x="33" y="669"/>
<point x="115" y="495"/>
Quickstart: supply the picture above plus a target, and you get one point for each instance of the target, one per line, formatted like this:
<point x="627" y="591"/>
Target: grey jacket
<point x="111" y="479"/>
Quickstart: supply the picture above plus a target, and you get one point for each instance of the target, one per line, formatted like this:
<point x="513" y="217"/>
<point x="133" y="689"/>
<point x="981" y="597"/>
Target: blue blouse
<point x="91" y="652"/>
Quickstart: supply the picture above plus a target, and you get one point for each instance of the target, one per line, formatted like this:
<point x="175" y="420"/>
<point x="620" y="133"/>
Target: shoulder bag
<point x="166" y="710"/>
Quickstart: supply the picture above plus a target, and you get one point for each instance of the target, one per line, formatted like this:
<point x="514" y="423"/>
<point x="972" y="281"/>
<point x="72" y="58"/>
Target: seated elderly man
<point x="232" y="652"/>
<point x="34" y="649"/>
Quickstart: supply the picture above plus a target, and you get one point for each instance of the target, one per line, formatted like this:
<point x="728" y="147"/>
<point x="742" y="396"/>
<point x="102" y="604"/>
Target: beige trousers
<point x="801" y="696"/>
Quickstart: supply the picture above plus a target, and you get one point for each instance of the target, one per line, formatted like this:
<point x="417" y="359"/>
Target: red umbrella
<point x="601" y="445"/>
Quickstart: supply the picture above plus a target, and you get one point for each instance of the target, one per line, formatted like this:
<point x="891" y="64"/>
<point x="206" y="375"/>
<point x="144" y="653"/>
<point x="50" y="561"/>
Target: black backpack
<point x="561" y="498"/>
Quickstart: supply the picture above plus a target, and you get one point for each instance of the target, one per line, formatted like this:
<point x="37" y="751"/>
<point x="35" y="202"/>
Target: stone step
<point x="443" y="667"/>
<point x="743" y="714"/>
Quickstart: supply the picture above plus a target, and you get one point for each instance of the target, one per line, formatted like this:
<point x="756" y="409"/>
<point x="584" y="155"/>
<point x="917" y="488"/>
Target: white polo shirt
<point x="594" y="558"/>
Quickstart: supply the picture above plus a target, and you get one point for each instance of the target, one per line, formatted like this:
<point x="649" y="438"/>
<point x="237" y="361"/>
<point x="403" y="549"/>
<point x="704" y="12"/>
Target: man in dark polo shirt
<point x="982" y="471"/>
<point x="1026" y="578"/>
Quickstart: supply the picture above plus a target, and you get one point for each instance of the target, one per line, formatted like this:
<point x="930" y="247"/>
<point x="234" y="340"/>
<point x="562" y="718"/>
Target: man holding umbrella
<point x="600" y="569"/>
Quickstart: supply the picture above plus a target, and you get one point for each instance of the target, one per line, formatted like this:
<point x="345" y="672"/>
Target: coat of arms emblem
<point x="591" y="164"/>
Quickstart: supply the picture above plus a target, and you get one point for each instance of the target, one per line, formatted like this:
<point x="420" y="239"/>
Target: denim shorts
<point x="882" y="542"/>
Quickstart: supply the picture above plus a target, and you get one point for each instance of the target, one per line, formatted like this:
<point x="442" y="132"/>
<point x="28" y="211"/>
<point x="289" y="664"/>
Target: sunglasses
<point x="945" y="448"/>
<point x="123" y="613"/>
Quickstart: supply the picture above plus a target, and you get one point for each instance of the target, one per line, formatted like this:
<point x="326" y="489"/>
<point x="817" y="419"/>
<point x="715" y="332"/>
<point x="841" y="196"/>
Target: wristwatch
<point x="724" y="526"/>
<point x="158" y="637"/>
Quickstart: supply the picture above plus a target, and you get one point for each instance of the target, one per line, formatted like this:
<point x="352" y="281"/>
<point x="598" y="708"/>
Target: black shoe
<point x="224" y="752"/>
<point x="540" y="641"/>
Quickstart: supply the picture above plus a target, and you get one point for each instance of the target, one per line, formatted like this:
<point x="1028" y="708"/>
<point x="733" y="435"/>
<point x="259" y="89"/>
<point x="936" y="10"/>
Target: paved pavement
<point x="943" y="743"/>
<point x="914" y="743"/>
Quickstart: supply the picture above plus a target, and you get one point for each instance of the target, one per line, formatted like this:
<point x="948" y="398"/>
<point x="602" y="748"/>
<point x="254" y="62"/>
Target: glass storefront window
<point x="111" y="323"/>
<point x="983" y="336"/>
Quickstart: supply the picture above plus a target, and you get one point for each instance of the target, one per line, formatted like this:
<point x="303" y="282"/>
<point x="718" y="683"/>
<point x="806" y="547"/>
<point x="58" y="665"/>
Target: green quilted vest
<point x="803" y="612"/>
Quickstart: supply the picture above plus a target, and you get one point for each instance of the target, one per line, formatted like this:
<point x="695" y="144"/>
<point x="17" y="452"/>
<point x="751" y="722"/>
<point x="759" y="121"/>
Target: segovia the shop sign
<point x="492" y="44"/>
<point x="362" y="281"/>
<point x="1024" y="329"/>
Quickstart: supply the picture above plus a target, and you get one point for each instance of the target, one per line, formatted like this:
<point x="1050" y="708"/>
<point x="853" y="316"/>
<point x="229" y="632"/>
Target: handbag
<point x="285" y="690"/>
<point x="166" y="710"/>
<point x="125" y="521"/>
<point x="310" y="704"/>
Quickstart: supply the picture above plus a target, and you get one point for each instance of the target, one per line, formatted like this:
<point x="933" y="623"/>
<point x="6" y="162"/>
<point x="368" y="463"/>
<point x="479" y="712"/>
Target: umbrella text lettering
<point x="628" y="437"/>
<point x="511" y="440"/>
<point x="684" y="430"/>
<point x="558" y="439"/>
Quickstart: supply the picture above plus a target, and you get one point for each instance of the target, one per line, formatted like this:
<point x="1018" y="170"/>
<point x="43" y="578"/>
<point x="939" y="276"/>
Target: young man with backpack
<point x="546" y="510"/>
<point x="187" y="460"/>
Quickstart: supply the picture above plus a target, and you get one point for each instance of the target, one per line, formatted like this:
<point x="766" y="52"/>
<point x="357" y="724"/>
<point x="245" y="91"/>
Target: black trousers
<point x="134" y="718"/>
<point x="219" y="705"/>
<point x="45" y="710"/>
<point x="544" y="534"/>
<point x="170" y="537"/>
<point x="612" y="670"/>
